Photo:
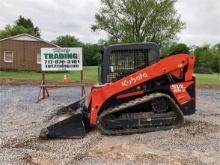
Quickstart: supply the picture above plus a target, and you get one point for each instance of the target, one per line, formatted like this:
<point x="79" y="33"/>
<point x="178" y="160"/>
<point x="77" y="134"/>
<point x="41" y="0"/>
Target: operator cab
<point x="119" y="61"/>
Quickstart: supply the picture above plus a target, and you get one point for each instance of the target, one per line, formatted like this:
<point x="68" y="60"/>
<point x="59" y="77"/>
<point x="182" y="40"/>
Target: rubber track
<point x="136" y="102"/>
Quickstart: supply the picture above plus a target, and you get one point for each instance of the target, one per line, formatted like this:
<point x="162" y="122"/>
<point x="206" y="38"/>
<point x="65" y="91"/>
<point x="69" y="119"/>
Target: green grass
<point x="208" y="78"/>
<point x="90" y="74"/>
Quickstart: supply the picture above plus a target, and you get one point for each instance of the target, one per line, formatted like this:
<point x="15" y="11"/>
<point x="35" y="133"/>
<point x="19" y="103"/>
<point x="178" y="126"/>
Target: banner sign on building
<point x="61" y="59"/>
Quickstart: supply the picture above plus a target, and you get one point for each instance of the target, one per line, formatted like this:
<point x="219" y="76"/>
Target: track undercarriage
<point x="118" y="120"/>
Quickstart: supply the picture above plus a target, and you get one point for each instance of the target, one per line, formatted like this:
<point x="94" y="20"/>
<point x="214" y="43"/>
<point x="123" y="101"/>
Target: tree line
<point x="207" y="56"/>
<point x="127" y="21"/>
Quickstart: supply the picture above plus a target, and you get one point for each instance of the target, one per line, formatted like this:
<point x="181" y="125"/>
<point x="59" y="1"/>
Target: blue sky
<point x="56" y="17"/>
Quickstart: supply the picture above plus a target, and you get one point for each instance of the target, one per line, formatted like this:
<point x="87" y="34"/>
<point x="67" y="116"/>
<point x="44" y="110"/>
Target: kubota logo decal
<point x="133" y="80"/>
<point x="178" y="88"/>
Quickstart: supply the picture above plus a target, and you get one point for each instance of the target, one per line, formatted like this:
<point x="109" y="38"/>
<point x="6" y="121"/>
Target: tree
<point x="14" y="30"/>
<point x="175" y="48"/>
<point x="138" y="20"/>
<point x="67" y="41"/>
<point x="21" y="25"/>
<point x="28" y="24"/>
<point x="208" y="58"/>
<point x="204" y="59"/>
<point x="179" y="48"/>
<point x="91" y="54"/>
<point x="216" y="58"/>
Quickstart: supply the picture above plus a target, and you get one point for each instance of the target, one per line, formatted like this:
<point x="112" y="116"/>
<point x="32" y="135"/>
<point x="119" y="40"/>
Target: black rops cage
<point x="119" y="61"/>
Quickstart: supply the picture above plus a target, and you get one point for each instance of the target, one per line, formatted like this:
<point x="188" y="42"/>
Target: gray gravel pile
<point x="21" y="119"/>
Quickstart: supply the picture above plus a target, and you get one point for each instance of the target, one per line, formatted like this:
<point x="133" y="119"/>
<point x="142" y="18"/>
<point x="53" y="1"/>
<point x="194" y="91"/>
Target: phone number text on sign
<point x="60" y="59"/>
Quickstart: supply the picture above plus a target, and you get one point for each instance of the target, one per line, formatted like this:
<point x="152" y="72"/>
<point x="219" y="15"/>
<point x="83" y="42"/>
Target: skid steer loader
<point x="138" y="92"/>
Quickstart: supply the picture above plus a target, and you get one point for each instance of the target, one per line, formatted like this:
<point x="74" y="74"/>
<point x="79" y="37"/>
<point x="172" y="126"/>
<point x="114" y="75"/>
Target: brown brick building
<point x="21" y="52"/>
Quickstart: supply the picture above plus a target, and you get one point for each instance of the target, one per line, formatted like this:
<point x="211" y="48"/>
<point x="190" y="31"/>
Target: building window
<point x="8" y="56"/>
<point x="38" y="58"/>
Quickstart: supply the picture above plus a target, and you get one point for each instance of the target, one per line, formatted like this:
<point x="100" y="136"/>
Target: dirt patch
<point x="11" y="81"/>
<point x="138" y="154"/>
<point x="16" y="143"/>
<point x="210" y="114"/>
<point x="208" y="86"/>
<point x="198" y="128"/>
<point x="166" y="159"/>
<point x="28" y="159"/>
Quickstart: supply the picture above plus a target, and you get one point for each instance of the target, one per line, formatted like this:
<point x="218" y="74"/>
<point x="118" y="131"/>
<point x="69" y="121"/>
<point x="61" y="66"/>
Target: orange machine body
<point x="173" y="65"/>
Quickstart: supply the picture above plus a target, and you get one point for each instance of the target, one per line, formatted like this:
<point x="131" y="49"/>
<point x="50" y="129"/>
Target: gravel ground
<point x="21" y="119"/>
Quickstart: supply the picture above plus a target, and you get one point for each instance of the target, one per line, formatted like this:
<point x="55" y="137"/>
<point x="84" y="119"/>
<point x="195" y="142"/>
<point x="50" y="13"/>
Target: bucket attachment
<point x="72" y="127"/>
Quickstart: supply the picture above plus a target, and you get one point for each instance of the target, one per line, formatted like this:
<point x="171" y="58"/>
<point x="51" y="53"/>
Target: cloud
<point x="54" y="17"/>
<point x="74" y="17"/>
<point x="202" y="21"/>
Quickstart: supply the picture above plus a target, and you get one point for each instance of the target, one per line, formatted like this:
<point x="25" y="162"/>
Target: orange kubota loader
<point x="138" y="92"/>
